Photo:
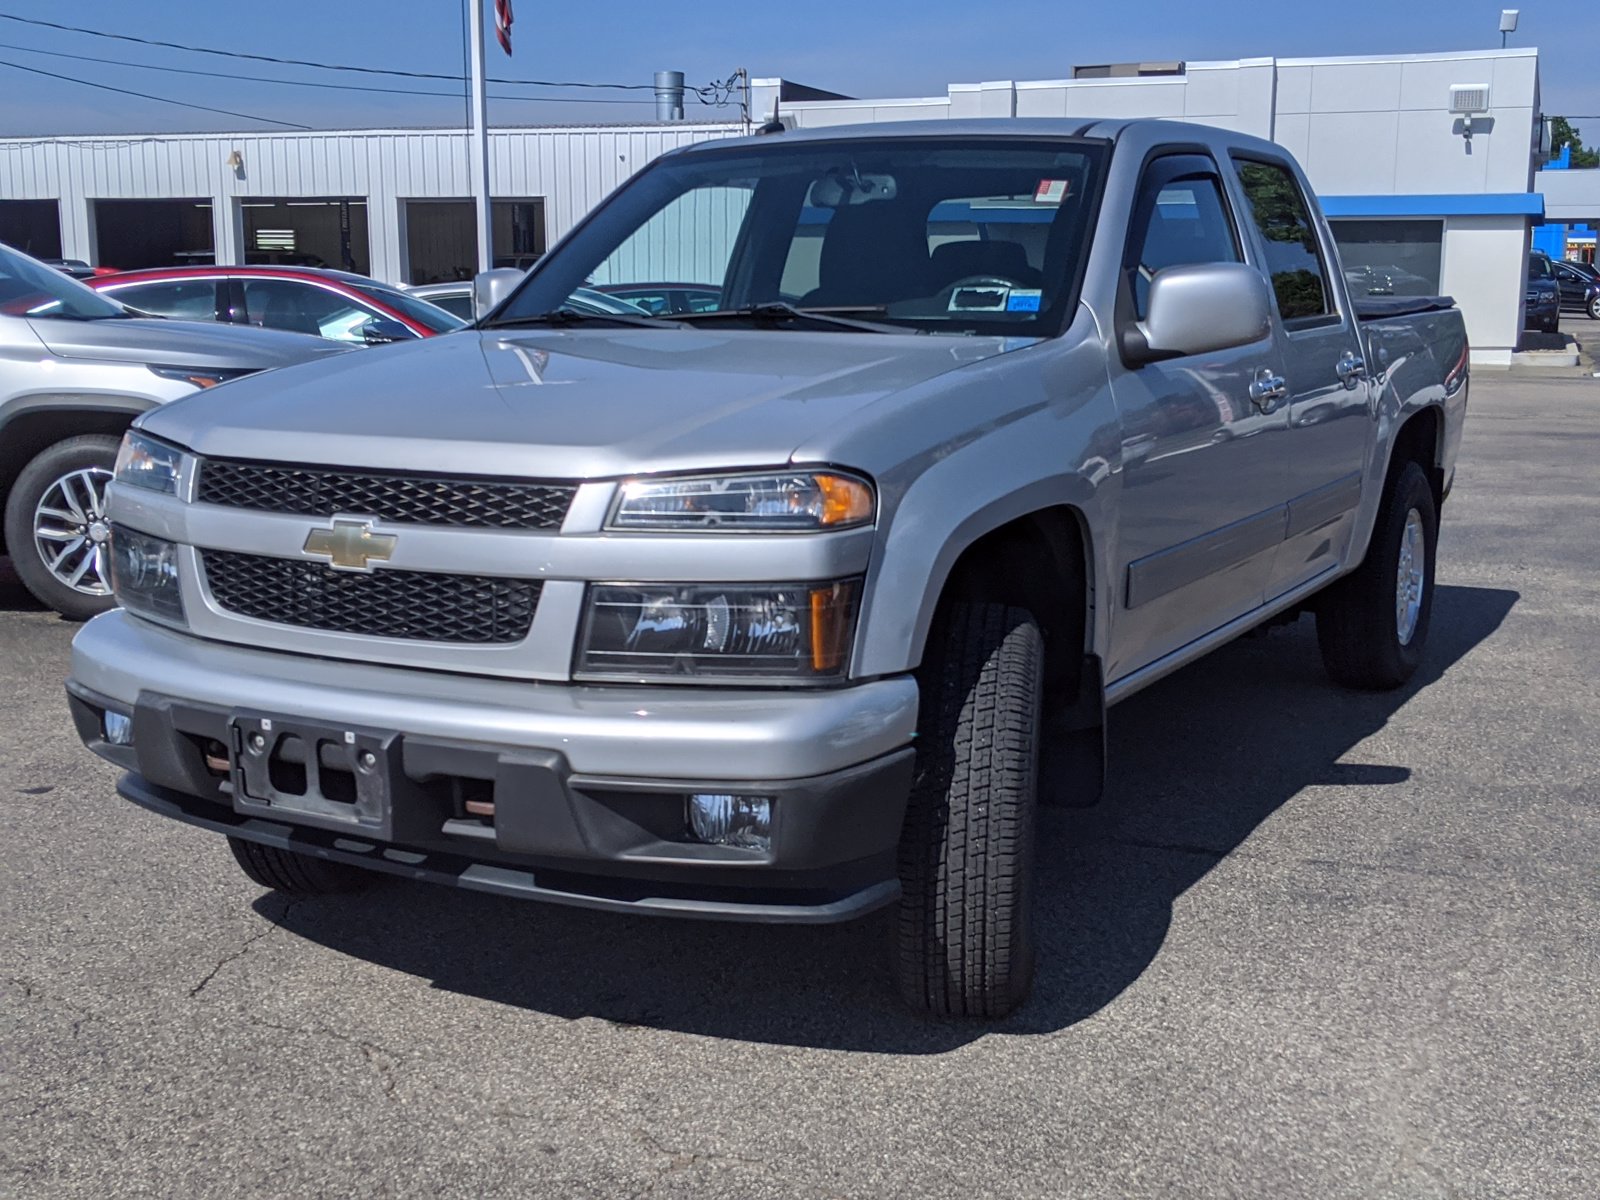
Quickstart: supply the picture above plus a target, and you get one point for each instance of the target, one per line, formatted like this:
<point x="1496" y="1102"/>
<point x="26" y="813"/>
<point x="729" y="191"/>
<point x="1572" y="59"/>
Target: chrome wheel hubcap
<point x="1411" y="578"/>
<point x="70" y="530"/>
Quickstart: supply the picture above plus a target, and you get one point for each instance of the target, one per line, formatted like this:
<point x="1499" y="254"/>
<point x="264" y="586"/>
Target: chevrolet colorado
<point x="763" y="612"/>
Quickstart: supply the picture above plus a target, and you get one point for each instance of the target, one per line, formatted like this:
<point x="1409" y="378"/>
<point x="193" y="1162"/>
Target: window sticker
<point x="1052" y="191"/>
<point x="977" y="298"/>
<point x="1024" y="300"/>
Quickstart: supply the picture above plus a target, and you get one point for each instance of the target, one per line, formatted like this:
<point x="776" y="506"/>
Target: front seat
<point x="284" y="310"/>
<point x="873" y="253"/>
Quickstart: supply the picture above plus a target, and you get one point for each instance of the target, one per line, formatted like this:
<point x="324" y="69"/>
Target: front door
<point x="1331" y="412"/>
<point x="1203" y="478"/>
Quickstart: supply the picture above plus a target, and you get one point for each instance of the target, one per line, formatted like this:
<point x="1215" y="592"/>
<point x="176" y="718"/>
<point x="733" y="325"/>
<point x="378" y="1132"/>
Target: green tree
<point x="1563" y="134"/>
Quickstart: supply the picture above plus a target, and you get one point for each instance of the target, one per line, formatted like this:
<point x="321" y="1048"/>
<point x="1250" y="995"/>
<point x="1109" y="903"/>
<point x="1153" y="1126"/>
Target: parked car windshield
<point x="1539" y="267"/>
<point x="28" y="288"/>
<point x="414" y="307"/>
<point x="945" y="235"/>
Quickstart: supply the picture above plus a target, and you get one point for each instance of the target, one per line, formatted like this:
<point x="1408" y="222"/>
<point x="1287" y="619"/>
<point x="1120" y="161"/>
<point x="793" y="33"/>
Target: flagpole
<point x="480" y="140"/>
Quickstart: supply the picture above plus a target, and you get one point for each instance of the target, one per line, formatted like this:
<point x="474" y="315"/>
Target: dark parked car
<point x="1543" y="296"/>
<point x="1580" y="287"/>
<point x="667" y="298"/>
<point x="331" y="304"/>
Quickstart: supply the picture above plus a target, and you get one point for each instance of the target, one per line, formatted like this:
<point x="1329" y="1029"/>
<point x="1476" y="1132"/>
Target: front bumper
<point x="587" y="785"/>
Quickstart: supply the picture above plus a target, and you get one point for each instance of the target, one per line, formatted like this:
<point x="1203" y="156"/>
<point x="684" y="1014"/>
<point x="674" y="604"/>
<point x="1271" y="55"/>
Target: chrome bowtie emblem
<point x="350" y="545"/>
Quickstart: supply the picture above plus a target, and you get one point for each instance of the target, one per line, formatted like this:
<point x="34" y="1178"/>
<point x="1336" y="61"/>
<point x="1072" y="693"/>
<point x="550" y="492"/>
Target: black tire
<point x="965" y="932"/>
<point x="1594" y="309"/>
<point x="296" y="874"/>
<point x="92" y="451"/>
<point x="1358" y="621"/>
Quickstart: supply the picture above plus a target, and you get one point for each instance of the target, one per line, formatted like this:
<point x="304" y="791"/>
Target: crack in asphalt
<point x="382" y="1058"/>
<point x="683" y="1160"/>
<point x="276" y="922"/>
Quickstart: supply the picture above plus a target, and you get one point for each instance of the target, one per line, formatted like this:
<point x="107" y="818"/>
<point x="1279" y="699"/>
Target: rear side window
<point x="1289" y="238"/>
<point x="179" y="299"/>
<point x="1179" y="219"/>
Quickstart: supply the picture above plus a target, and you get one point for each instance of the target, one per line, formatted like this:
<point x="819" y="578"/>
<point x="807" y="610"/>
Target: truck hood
<point x="179" y="343"/>
<point x="575" y="404"/>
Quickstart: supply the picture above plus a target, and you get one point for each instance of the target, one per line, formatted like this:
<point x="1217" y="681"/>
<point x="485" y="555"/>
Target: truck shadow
<point x="1198" y="762"/>
<point x="13" y="596"/>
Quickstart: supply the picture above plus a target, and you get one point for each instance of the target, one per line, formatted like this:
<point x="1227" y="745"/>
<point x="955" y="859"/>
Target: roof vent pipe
<point x="669" y="95"/>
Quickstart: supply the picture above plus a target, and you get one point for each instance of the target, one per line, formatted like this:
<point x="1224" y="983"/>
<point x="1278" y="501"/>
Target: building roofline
<point x="380" y="131"/>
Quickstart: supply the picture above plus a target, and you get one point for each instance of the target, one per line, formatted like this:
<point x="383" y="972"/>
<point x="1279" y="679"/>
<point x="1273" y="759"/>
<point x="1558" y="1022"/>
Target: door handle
<point x="1267" y="388"/>
<point x="1352" y="367"/>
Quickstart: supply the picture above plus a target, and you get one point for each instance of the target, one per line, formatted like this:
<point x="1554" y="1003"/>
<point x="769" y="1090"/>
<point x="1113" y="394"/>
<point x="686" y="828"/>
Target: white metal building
<point x="1422" y="197"/>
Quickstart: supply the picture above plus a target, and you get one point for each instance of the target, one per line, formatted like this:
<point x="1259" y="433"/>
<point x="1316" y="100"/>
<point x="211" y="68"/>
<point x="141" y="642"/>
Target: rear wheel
<point x="56" y="527"/>
<point x="965" y="933"/>
<point x="295" y="874"/>
<point x="1372" y="625"/>
<point x="1594" y="308"/>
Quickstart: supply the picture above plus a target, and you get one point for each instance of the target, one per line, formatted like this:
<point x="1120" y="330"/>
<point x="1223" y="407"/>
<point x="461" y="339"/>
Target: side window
<point x="1179" y="219"/>
<point x="1289" y="236"/>
<point x="304" y="308"/>
<point x="178" y="299"/>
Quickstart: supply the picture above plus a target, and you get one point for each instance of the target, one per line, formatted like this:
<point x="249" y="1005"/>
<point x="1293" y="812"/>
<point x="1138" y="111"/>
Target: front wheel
<point x="1594" y="309"/>
<point x="295" y="874"/>
<point x="56" y="527"/>
<point x="965" y="929"/>
<point x="1373" y="624"/>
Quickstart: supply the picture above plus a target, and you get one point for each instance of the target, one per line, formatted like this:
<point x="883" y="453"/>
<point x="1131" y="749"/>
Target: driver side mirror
<point x="381" y="330"/>
<point x="489" y="288"/>
<point x="1200" y="309"/>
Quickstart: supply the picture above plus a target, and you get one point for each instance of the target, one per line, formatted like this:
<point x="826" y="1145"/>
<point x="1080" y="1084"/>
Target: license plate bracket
<point x="330" y="776"/>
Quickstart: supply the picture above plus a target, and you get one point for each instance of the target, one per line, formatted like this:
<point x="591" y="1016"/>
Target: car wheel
<point x="1372" y="625"/>
<point x="965" y="941"/>
<point x="1594" y="309"/>
<point x="296" y="874"/>
<point x="56" y="528"/>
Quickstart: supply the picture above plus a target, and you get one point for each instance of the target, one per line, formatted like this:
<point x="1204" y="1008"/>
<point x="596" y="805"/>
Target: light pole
<point x="479" y="152"/>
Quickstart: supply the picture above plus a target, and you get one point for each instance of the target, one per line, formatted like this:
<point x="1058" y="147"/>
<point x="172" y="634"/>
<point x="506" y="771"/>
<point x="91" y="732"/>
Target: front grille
<point x="419" y="605"/>
<point x="417" y="499"/>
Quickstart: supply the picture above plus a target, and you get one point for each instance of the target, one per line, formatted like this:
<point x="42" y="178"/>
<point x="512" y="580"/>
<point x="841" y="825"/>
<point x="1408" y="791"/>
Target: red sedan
<point x="330" y="304"/>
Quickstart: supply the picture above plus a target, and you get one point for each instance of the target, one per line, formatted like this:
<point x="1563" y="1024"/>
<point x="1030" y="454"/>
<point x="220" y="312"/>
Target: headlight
<point x="201" y="377"/>
<point x="144" y="462"/>
<point x="795" y="501"/>
<point x="144" y="575"/>
<point x="787" y="633"/>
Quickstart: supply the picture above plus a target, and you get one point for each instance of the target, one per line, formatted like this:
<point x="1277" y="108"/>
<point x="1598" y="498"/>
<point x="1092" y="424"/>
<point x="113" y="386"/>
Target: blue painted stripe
<point x="1475" y="204"/>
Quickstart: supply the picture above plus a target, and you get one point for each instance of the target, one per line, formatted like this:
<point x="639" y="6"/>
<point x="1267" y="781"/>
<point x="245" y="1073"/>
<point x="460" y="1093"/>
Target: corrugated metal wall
<point x="572" y="168"/>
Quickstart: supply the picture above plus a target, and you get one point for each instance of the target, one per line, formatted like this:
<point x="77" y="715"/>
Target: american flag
<point x="502" y="24"/>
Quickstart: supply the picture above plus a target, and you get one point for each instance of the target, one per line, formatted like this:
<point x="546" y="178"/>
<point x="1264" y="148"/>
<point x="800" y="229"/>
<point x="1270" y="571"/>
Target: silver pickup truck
<point x="764" y="612"/>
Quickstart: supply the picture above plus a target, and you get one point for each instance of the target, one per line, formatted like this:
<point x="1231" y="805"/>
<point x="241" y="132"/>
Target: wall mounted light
<point x="1468" y="100"/>
<point x="235" y="161"/>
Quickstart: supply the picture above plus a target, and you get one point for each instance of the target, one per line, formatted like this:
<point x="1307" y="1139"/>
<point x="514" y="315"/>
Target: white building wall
<point x="572" y="168"/>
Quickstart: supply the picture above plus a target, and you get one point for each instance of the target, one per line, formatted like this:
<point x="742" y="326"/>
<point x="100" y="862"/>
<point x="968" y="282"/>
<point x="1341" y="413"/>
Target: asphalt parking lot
<point x="1314" y="944"/>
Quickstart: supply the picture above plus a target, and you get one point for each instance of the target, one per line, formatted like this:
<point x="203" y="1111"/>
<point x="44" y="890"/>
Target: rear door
<point x="1330" y="410"/>
<point x="1201" y="511"/>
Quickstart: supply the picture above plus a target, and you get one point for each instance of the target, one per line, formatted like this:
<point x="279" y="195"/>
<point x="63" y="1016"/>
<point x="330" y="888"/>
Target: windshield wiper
<point x="567" y="316"/>
<point x="782" y="310"/>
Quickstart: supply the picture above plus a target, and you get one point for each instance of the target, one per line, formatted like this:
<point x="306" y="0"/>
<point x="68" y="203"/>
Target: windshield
<point x="417" y="309"/>
<point x="28" y="288"/>
<point x="943" y="235"/>
<point x="1539" y="267"/>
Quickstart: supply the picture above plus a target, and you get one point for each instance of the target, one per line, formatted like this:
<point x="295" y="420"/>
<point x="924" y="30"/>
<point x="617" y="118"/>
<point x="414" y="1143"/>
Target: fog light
<point x="119" y="729"/>
<point x="722" y="820"/>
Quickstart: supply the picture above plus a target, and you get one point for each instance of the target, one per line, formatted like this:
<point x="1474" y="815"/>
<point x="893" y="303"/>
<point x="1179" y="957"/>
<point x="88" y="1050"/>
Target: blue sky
<point x="876" y="48"/>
